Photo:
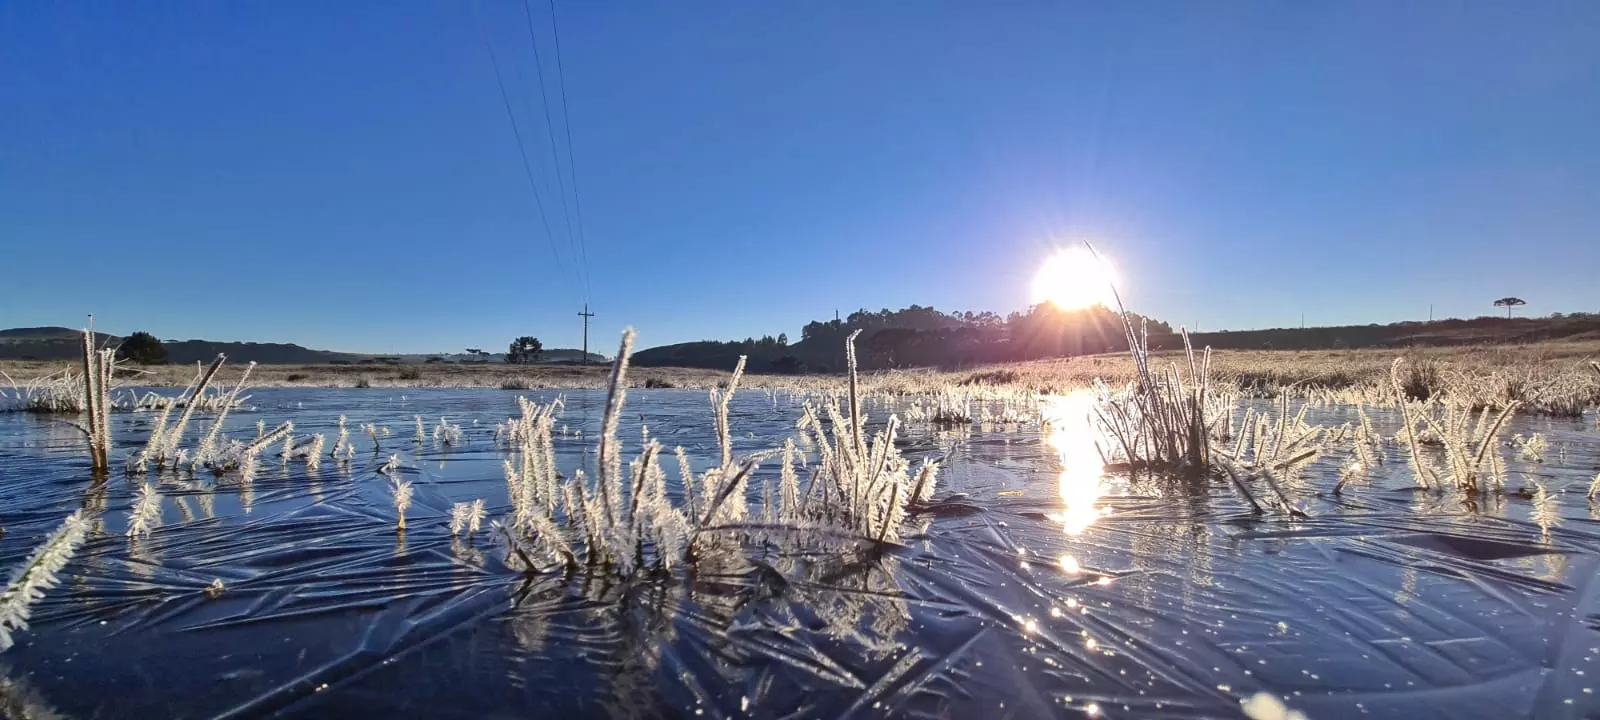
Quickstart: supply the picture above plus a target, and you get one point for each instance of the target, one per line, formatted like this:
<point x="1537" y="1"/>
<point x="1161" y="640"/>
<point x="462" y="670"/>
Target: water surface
<point x="1041" y="587"/>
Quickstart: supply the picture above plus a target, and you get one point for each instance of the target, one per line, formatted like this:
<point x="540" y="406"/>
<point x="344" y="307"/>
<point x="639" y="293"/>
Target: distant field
<point x="1250" y="369"/>
<point x="438" y="375"/>
<point x="1310" y="368"/>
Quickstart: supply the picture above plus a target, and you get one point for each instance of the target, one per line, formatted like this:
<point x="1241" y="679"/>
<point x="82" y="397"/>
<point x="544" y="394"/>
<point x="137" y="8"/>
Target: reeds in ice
<point x="37" y="574"/>
<point x="401" y="491"/>
<point x="859" y="487"/>
<point x="466" y="518"/>
<point x="1274" y="450"/>
<point x="314" y="451"/>
<point x="1166" y="421"/>
<point x="97" y="370"/>
<point x="953" y="409"/>
<point x="58" y="392"/>
<point x="1467" y="440"/>
<point x="788" y="484"/>
<point x="172" y="438"/>
<point x="446" y="434"/>
<point x="230" y="401"/>
<point x="719" y="400"/>
<point x="1368" y="441"/>
<point x="341" y="442"/>
<point x="531" y="482"/>
<point x="243" y="457"/>
<point x="609" y="460"/>
<point x="859" y="491"/>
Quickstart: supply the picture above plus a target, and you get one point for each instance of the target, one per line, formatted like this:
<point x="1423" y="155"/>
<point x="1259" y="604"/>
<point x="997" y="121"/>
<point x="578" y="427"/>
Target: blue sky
<point x="343" y="175"/>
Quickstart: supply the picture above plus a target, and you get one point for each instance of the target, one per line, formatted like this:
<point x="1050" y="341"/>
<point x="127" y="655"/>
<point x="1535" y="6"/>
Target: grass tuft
<point x="1420" y="378"/>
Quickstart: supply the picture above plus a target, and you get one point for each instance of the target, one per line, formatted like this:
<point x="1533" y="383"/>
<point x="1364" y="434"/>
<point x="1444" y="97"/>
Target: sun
<point x="1072" y="279"/>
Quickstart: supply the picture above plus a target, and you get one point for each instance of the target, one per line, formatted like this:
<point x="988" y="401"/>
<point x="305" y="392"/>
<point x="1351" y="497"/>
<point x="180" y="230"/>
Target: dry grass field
<point x="1252" y="371"/>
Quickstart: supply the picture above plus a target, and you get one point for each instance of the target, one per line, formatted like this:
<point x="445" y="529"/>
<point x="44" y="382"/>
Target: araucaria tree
<point x="1508" y="303"/>
<point x="142" y="348"/>
<point x="523" y="350"/>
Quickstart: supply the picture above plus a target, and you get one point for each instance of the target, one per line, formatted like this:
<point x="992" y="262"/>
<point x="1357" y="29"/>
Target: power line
<point x="566" y="122"/>
<point x="586" y="315"/>
<point x="522" y="151"/>
<point x="550" y="134"/>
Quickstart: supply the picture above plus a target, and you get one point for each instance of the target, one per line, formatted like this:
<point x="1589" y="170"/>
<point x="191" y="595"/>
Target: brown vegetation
<point x="1539" y="375"/>
<point x="1553" y="377"/>
<point x="488" y="375"/>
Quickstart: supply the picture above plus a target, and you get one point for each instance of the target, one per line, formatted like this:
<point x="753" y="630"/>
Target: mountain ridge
<point x="60" y="343"/>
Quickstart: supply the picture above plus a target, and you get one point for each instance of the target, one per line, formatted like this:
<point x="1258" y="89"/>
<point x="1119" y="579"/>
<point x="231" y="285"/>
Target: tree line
<point x="918" y="336"/>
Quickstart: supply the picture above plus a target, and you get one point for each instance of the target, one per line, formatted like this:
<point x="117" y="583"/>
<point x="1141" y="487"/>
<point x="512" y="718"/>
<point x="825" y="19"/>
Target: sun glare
<point x="1072" y="279"/>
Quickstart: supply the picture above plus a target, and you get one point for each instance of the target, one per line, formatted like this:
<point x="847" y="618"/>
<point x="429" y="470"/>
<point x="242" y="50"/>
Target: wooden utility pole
<point x="586" y="315"/>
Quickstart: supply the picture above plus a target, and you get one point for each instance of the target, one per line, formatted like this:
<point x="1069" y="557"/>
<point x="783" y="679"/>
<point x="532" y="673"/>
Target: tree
<point x="142" y="348"/>
<point x="783" y="339"/>
<point x="788" y="365"/>
<point x="524" y="350"/>
<point x="1508" y="303"/>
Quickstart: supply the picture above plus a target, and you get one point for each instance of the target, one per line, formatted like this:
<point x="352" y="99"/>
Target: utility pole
<point x="586" y="315"/>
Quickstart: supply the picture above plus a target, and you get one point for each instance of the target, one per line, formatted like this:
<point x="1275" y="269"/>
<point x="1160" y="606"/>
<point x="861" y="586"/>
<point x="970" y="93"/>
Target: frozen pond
<point x="1040" y="587"/>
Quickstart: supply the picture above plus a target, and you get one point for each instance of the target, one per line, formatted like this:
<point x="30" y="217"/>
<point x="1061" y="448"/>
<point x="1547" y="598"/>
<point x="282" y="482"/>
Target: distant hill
<point x="42" y="334"/>
<point x="1487" y="330"/>
<point x="569" y="355"/>
<point x="712" y="354"/>
<point x="549" y="355"/>
<point x="59" y="343"/>
<point x="879" y="348"/>
<point x="189" y="351"/>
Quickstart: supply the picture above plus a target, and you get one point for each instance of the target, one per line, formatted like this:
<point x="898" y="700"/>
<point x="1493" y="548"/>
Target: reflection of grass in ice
<point x="19" y="699"/>
<point x="1266" y="706"/>
<point x="1543" y="511"/>
<point x="146" y="513"/>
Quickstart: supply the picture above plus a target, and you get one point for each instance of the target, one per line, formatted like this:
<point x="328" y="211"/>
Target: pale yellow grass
<point x="1555" y="375"/>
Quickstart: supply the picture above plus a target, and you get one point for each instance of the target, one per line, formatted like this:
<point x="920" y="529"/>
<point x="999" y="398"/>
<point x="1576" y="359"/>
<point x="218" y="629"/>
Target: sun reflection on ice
<point x="1071" y="430"/>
